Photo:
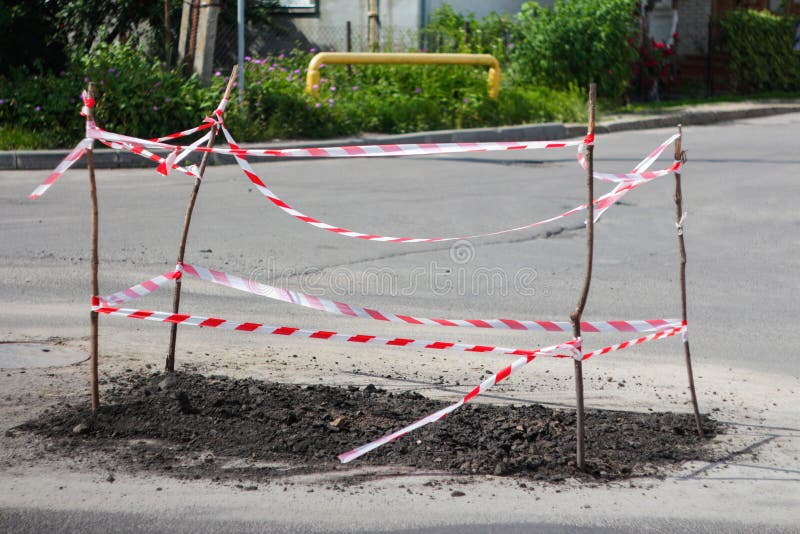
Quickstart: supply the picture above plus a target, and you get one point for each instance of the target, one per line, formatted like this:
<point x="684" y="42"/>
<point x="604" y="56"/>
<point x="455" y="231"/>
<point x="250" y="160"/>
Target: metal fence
<point x="305" y="34"/>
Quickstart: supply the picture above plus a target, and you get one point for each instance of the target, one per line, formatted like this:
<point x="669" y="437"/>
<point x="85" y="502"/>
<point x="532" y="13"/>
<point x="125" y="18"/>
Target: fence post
<point x="176" y="298"/>
<point x="374" y="23"/>
<point x="679" y="155"/>
<point x="94" y="325"/>
<point x="576" y="315"/>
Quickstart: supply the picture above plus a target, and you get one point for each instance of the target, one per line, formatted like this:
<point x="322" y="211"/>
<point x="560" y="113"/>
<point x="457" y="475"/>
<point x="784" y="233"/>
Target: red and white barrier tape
<point x="140" y="290"/>
<point x="350" y="151"/>
<point x="213" y="322"/>
<point x="286" y="208"/>
<point x="350" y="310"/>
<point x="132" y="144"/>
<point x="564" y="350"/>
<point x="74" y="155"/>
<point x="209" y="123"/>
<point x="628" y="182"/>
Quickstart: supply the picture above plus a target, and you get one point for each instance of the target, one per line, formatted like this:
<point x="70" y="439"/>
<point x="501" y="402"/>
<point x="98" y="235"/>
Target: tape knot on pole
<point x="589" y="139"/>
<point x="679" y="224"/>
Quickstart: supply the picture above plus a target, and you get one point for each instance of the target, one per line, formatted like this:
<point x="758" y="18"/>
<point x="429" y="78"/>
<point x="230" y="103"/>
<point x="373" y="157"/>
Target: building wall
<point x="481" y="8"/>
<point x="693" y="27"/>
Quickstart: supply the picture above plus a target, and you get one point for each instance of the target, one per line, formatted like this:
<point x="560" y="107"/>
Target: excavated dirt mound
<point x="216" y="427"/>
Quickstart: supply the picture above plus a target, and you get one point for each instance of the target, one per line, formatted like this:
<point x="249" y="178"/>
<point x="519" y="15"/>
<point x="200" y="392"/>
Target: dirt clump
<point x="217" y="427"/>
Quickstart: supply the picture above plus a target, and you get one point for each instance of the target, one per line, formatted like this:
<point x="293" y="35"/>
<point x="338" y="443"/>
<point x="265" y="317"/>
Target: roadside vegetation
<point x="548" y="58"/>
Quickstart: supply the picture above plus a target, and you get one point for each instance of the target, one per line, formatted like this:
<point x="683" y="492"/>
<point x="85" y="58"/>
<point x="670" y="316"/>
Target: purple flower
<point x="247" y="58"/>
<point x="333" y="88"/>
<point x="155" y="108"/>
<point x="313" y="50"/>
<point x="466" y="100"/>
<point x="218" y="73"/>
<point x="289" y="78"/>
<point x="510" y="45"/>
<point x="2" y="101"/>
<point x="355" y="88"/>
<point x="112" y="70"/>
<point x="317" y="105"/>
<point x="315" y="87"/>
<point x="297" y="71"/>
<point x="38" y="108"/>
<point x="330" y="101"/>
<point x="418" y="90"/>
<point x="281" y="56"/>
<point x="85" y="79"/>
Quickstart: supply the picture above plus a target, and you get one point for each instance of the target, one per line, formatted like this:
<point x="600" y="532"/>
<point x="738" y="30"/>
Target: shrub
<point x="577" y="42"/>
<point x="760" y="48"/>
<point x="140" y="96"/>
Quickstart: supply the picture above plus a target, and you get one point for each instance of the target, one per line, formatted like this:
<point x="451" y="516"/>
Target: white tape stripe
<point x="331" y="306"/>
<point x="256" y="180"/>
<point x="193" y="320"/>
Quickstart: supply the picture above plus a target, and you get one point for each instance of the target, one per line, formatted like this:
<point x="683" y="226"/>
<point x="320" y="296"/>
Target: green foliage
<point x="449" y="31"/>
<point x="42" y="106"/>
<point x="383" y="98"/>
<point x="760" y="48"/>
<point x="29" y="36"/>
<point x="577" y="42"/>
<point x="140" y="96"/>
<point x="135" y="95"/>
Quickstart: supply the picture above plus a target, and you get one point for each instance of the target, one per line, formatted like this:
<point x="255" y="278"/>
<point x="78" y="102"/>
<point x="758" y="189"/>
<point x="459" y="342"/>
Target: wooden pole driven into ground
<point x="679" y="155"/>
<point x="187" y="220"/>
<point x="93" y="315"/>
<point x="575" y="317"/>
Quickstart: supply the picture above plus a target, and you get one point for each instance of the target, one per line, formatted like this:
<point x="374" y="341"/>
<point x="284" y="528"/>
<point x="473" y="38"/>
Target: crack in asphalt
<point x="545" y="235"/>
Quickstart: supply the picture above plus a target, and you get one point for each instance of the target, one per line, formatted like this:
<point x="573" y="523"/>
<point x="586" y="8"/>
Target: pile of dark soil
<point x="217" y="427"/>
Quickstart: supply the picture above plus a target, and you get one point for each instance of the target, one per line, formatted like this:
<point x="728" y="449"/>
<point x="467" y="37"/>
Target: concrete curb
<point x="113" y="159"/>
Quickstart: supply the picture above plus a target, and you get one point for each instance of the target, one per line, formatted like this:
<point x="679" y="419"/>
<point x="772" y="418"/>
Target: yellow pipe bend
<point x="381" y="58"/>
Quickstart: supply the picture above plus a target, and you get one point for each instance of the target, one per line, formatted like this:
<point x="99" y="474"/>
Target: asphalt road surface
<point x="742" y="232"/>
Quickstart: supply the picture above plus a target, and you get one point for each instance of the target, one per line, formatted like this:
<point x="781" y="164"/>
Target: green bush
<point x="760" y="48"/>
<point x="136" y="96"/>
<point x="577" y="42"/>
<point x="449" y="31"/>
<point x="140" y="97"/>
<point x="383" y="99"/>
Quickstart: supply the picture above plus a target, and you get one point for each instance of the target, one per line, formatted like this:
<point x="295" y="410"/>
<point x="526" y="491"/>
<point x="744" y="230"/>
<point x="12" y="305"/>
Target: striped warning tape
<point x="564" y="350"/>
<point x="132" y="144"/>
<point x="140" y="290"/>
<point x="341" y="308"/>
<point x="213" y="322"/>
<point x="350" y="310"/>
<point x="74" y="155"/>
<point x="286" y="208"/>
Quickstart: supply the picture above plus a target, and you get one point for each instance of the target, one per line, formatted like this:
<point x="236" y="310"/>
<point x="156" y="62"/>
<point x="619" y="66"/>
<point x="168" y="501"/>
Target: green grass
<point x="12" y="138"/>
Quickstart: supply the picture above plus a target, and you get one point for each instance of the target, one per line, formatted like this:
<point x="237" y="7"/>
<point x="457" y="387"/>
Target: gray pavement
<point x="740" y="192"/>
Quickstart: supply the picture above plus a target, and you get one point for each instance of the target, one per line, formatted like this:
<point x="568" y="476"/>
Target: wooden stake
<point x="679" y="155"/>
<point x="575" y="317"/>
<point x="187" y="220"/>
<point x="93" y="315"/>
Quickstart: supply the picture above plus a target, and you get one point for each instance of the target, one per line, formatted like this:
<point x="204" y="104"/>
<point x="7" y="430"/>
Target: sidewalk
<point x="687" y="116"/>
